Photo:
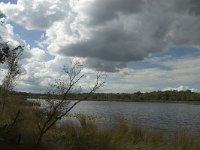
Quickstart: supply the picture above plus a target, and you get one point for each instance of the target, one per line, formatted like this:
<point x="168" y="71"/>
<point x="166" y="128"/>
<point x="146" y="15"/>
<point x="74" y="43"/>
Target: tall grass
<point x="122" y="136"/>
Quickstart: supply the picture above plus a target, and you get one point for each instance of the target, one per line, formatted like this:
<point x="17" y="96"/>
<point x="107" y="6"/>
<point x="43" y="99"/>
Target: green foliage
<point x="155" y="96"/>
<point x="160" y="96"/>
<point x="4" y="52"/>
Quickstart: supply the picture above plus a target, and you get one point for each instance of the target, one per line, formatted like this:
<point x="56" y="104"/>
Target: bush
<point x="87" y="136"/>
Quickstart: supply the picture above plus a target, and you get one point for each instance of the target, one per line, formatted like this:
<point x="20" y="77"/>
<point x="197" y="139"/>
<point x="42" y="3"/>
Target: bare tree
<point x="57" y="109"/>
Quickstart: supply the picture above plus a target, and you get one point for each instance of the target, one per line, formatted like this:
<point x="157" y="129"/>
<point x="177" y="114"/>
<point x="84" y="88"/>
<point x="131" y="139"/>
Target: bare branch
<point x="57" y="110"/>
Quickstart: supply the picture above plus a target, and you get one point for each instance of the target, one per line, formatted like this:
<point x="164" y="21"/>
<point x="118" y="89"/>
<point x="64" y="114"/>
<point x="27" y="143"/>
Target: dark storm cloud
<point x="106" y="66"/>
<point x="178" y="6"/>
<point x="101" y="11"/>
<point x="112" y="31"/>
<point x="128" y="39"/>
<point x="130" y="30"/>
<point x="195" y="6"/>
<point x="186" y="32"/>
<point x="110" y="44"/>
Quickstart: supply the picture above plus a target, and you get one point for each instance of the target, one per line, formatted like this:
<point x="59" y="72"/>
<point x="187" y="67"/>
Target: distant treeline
<point x="164" y="96"/>
<point x="148" y="96"/>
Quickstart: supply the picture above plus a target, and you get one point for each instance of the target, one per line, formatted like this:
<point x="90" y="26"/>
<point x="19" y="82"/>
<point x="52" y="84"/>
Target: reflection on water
<point x="167" y="117"/>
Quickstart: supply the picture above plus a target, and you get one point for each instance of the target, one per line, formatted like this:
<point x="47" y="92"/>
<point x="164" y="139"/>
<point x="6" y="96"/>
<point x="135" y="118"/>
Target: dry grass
<point x="123" y="136"/>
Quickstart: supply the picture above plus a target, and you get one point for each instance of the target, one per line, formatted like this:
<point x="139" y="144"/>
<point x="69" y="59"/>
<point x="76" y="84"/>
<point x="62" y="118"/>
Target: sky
<point x="141" y="45"/>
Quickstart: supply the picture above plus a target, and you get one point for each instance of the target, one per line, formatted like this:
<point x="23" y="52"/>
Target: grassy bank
<point x="22" y="132"/>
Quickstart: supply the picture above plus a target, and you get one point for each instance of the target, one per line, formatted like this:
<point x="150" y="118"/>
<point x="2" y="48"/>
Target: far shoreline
<point x="137" y="101"/>
<point x="183" y="97"/>
<point x="145" y="101"/>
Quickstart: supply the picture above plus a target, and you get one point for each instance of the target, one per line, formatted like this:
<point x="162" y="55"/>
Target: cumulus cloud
<point x="111" y="31"/>
<point x="102" y="11"/>
<point x="107" y="66"/>
<point x="39" y="14"/>
<point x="106" y="35"/>
<point x="7" y="35"/>
<point x="183" y="71"/>
<point x="180" y="88"/>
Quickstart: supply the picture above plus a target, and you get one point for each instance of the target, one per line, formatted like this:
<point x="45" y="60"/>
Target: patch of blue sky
<point x="195" y="86"/>
<point x="146" y="65"/>
<point x="30" y="36"/>
<point x="11" y="1"/>
<point x="172" y="53"/>
<point x="179" y="52"/>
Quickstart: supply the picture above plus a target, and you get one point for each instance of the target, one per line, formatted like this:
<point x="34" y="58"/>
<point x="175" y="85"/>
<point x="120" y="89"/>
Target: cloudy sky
<point x="141" y="45"/>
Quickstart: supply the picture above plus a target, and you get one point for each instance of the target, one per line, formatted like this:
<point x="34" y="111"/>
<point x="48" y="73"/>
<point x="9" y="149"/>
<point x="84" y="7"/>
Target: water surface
<point x="166" y="117"/>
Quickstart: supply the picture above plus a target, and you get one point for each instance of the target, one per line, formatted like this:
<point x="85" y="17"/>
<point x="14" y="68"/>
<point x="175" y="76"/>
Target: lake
<point x="165" y="117"/>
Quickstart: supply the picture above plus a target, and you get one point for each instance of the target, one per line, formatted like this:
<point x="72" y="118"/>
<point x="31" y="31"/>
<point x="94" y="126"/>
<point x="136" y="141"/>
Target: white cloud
<point x="37" y="14"/>
<point x="7" y="35"/>
<point x="110" y="31"/>
<point x="106" y="35"/>
<point x="182" y="72"/>
<point x="180" y="88"/>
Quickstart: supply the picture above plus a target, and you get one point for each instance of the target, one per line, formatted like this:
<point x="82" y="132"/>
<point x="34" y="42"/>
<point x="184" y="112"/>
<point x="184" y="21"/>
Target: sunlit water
<point x="165" y="117"/>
